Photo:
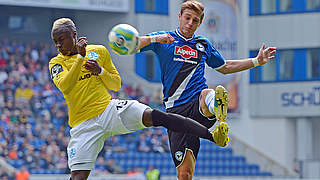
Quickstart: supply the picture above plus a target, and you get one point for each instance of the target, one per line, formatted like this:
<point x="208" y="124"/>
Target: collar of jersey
<point x="66" y="57"/>
<point x="181" y="36"/>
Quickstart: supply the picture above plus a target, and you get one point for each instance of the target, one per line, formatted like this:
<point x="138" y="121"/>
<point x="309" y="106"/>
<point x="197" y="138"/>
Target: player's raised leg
<point x="215" y="103"/>
<point x="176" y="123"/>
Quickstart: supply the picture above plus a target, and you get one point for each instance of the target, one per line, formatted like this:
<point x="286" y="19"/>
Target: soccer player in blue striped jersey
<point x="182" y="56"/>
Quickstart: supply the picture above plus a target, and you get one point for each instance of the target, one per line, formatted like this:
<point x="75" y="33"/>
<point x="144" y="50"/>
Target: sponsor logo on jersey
<point x="87" y="76"/>
<point x="185" y="60"/>
<point x="93" y="55"/>
<point x="178" y="155"/>
<point x="186" y="52"/>
<point x="55" y="70"/>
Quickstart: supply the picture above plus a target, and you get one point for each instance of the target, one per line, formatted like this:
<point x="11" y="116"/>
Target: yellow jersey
<point x="86" y="93"/>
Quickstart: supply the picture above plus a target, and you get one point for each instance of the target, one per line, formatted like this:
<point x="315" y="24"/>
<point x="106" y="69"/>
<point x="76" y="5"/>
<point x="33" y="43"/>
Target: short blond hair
<point x="193" y="5"/>
<point x="64" y="24"/>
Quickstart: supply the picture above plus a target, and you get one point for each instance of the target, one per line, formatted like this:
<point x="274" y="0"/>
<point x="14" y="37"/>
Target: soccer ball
<point x="124" y="39"/>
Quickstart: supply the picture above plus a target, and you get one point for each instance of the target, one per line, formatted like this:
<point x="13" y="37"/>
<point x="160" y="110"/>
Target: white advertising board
<point x="92" y="5"/>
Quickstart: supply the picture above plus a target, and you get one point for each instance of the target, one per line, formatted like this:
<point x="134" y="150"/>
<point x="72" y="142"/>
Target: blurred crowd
<point x="34" y="132"/>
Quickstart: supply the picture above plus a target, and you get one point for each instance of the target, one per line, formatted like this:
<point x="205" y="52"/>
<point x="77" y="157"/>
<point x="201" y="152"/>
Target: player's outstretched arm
<point x="265" y="55"/>
<point x="162" y="38"/>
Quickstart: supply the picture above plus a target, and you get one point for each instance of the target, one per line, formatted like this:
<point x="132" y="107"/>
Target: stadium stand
<point x="34" y="130"/>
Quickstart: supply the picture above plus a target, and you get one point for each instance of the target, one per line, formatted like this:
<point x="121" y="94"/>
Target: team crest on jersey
<point x="178" y="155"/>
<point x="93" y="55"/>
<point x="185" y="51"/>
<point x="55" y="70"/>
<point x="200" y="47"/>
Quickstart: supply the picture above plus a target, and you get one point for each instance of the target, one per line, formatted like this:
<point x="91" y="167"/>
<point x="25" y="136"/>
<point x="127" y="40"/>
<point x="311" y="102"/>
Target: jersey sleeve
<point x="214" y="60"/>
<point x="57" y="72"/>
<point x="107" y="62"/>
<point x="153" y="46"/>
<point x="110" y="76"/>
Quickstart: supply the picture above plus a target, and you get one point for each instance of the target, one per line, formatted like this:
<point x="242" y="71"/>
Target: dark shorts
<point x="179" y="142"/>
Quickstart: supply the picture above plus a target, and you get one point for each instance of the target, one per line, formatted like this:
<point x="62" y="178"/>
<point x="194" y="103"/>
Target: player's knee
<point x="205" y="98"/>
<point x="147" y="117"/>
<point x="185" y="174"/>
<point x="204" y="94"/>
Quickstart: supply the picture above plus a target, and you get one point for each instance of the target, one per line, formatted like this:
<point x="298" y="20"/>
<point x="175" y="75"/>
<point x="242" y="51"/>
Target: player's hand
<point x="165" y="39"/>
<point x="81" y="46"/>
<point x="266" y="55"/>
<point x="92" y="66"/>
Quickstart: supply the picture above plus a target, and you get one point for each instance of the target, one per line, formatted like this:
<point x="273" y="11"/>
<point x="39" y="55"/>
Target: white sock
<point x="210" y="100"/>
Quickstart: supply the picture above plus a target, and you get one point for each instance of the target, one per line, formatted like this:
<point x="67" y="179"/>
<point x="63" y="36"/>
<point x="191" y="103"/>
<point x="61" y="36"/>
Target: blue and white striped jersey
<point x="182" y="66"/>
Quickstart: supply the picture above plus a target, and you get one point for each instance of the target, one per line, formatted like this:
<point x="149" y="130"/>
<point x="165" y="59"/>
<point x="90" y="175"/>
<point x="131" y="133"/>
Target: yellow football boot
<point x="221" y="132"/>
<point x="221" y="103"/>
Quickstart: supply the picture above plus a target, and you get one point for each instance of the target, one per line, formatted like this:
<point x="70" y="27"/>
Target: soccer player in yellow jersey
<point x="84" y="74"/>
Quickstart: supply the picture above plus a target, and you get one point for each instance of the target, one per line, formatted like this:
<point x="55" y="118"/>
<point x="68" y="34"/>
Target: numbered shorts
<point x="87" y="138"/>
<point x="180" y="142"/>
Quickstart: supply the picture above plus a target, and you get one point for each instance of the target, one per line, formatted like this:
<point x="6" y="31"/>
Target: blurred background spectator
<point x="22" y="174"/>
<point x="152" y="174"/>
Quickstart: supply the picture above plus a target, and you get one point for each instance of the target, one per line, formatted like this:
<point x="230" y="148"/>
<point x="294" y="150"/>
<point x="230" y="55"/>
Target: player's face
<point x="64" y="41"/>
<point x="189" y="22"/>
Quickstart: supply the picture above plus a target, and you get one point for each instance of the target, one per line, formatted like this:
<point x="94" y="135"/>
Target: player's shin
<point x="178" y="123"/>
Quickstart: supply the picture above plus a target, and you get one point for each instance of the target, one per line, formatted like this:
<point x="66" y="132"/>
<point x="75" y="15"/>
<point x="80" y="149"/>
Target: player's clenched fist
<point x="81" y="46"/>
<point x="93" y="66"/>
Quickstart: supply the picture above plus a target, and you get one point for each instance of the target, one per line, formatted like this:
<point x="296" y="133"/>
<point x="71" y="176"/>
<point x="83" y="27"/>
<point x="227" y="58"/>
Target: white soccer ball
<point x="124" y="39"/>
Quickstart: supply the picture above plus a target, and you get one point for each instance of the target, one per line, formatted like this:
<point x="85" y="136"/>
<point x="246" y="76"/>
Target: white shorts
<point x="87" y="138"/>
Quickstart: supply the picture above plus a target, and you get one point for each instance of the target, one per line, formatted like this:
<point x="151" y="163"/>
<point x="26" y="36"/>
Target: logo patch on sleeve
<point x="55" y="70"/>
<point x="93" y="56"/>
